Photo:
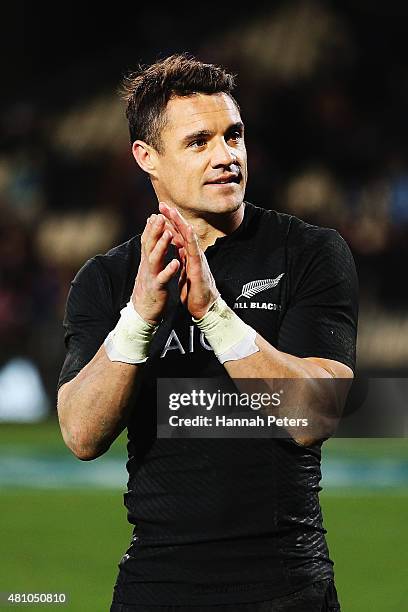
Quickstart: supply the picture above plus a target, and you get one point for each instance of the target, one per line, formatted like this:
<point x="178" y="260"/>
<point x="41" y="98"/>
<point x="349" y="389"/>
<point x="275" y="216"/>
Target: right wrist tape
<point x="130" y="340"/>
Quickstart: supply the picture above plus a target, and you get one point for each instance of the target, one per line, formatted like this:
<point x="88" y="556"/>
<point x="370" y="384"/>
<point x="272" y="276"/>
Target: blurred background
<point x="323" y="88"/>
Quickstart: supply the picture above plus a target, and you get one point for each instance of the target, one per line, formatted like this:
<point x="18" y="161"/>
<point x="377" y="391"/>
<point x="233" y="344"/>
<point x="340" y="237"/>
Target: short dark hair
<point x="148" y="90"/>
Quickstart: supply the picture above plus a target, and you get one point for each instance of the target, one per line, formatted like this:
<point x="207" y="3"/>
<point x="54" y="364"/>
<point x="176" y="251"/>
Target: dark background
<point x="323" y="88"/>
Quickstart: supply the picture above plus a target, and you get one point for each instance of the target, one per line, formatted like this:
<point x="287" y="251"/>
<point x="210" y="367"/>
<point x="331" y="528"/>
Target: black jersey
<point x="223" y="520"/>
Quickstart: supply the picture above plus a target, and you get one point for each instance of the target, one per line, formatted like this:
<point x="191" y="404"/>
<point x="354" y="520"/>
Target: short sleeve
<point x="321" y="317"/>
<point x="88" y="318"/>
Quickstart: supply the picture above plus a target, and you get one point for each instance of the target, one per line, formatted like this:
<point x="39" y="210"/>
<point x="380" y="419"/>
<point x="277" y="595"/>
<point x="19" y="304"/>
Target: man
<point x="230" y="524"/>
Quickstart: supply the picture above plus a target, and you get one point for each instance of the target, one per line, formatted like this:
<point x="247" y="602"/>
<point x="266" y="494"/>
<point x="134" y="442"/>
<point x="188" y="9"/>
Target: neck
<point x="212" y="226"/>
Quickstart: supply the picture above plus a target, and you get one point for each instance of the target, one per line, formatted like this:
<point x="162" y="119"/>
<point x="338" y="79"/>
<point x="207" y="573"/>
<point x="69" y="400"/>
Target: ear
<point x="145" y="156"/>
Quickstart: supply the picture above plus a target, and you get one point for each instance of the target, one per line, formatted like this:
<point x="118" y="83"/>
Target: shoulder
<point x="307" y="242"/>
<point x="110" y="274"/>
<point x="297" y="234"/>
<point x="319" y="257"/>
<point x="267" y="218"/>
<point x="120" y="256"/>
<point x="309" y="235"/>
<point x="314" y="254"/>
<point x="114" y="261"/>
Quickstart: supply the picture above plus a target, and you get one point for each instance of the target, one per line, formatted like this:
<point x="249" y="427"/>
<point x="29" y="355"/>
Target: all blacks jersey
<point x="223" y="520"/>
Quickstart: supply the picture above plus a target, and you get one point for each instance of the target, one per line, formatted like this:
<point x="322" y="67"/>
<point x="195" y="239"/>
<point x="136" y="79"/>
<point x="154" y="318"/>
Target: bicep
<point x="320" y="321"/>
<point x="88" y="320"/>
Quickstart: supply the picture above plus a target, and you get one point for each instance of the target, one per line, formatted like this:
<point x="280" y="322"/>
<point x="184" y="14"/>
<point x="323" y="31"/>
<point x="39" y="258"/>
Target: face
<point x="203" y="167"/>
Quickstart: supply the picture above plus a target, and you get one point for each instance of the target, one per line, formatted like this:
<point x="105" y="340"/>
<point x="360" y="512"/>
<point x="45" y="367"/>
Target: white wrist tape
<point x="129" y="341"/>
<point x="227" y="334"/>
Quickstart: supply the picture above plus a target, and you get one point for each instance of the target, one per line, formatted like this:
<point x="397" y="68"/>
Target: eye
<point x="235" y="135"/>
<point x="198" y="143"/>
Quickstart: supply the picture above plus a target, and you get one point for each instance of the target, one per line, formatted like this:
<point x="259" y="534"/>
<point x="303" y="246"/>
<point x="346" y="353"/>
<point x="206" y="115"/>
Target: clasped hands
<point x="197" y="286"/>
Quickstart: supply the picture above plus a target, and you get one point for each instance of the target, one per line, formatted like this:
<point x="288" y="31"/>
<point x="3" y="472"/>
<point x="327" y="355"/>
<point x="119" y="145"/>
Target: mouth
<point x="230" y="179"/>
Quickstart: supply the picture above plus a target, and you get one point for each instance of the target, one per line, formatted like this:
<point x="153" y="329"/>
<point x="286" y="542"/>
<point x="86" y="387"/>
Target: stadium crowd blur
<point x="323" y="95"/>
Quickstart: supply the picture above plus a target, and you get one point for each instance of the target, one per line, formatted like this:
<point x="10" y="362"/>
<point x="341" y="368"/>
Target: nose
<point x="222" y="154"/>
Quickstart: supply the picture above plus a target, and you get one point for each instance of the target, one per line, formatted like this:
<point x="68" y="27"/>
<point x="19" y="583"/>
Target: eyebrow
<point x="207" y="133"/>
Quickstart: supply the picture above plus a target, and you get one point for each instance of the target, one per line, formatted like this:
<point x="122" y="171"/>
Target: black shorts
<point x="320" y="596"/>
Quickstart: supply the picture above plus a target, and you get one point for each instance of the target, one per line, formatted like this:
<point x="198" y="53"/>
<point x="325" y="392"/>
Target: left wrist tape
<point x="229" y="337"/>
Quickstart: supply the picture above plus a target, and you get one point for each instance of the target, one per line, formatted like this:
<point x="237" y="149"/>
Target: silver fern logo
<point x="256" y="286"/>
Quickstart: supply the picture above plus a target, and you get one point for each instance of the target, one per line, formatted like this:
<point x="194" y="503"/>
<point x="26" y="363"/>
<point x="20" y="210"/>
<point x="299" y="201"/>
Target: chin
<point x="225" y="204"/>
<point x="232" y="205"/>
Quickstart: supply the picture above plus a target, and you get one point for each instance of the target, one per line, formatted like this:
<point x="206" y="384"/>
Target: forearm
<point x="93" y="408"/>
<point x="310" y="391"/>
<point x="269" y="362"/>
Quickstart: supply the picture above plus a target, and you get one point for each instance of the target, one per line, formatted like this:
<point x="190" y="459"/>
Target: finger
<point x="178" y="239"/>
<point x="179" y="222"/>
<point x="182" y="253"/>
<point x="174" y="217"/>
<point x="187" y="232"/>
<point x="165" y="210"/>
<point x="145" y="231"/>
<point x="192" y="246"/>
<point x="184" y="228"/>
<point x="155" y="232"/>
<point x="169" y="271"/>
<point x="156" y="256"/>
<point x="183" y="276"/>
